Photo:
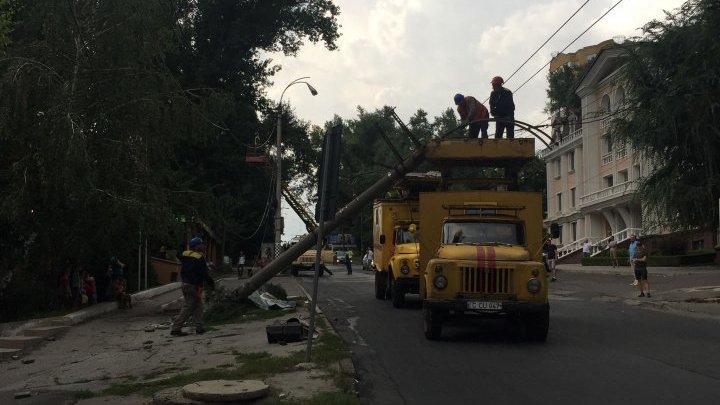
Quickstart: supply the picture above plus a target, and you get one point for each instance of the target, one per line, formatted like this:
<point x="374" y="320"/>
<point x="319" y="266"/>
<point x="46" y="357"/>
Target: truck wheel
<point x="398" y="294"/>
<point x="380" y="287"/>
<point x="432" y="324"/>
<point x="294" y="271"/>
<point x="537" y="325"/>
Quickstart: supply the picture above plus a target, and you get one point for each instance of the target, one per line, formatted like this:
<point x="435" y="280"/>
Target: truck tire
<point x="397" y="293"/>
<point x="432" y="324"/>
<point x="537" y="325"/>
<point x="294" y="271"/>
<point x="380" y="285"/>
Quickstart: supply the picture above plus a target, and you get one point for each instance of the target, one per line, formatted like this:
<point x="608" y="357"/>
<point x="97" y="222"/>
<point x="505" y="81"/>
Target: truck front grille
<point x="487" y="281"/>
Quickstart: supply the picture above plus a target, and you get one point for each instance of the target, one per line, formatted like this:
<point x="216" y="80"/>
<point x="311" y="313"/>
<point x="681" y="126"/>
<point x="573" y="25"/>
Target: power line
<point x="568" y="46"/>
<point x="547" y="40"/>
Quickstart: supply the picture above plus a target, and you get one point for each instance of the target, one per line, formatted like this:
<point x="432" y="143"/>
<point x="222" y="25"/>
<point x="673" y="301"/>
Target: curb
<point x="346" y="364"/>
<point x="90" y="312"/>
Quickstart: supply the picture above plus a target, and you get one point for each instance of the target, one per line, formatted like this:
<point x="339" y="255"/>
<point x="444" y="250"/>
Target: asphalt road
<point x="604" y="347"/>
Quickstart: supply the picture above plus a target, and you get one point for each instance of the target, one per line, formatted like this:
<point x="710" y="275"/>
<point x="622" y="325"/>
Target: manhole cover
<point x="225" y="390"/>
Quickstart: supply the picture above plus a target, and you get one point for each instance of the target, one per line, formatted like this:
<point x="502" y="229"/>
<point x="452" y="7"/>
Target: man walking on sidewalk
<point x="631" y="255"/>
<point x="194" y="273"/>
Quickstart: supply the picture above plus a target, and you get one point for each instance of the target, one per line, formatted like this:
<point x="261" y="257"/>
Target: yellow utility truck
<point x="306" y="261"/>
<point x="395" y="233"/>
<point x="481" y="248"/>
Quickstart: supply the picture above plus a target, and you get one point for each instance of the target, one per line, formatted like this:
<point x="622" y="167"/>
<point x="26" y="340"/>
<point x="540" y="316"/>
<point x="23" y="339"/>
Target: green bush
<point x="672" y="246"/>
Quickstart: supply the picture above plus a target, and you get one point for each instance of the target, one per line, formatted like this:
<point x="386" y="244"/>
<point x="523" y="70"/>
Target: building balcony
<point x="609" y="193"/>
<point x="605" y="124"/>
<point x="607" y="158"/>
<point x="576" y="134"/>
<point x="621" y="153"/>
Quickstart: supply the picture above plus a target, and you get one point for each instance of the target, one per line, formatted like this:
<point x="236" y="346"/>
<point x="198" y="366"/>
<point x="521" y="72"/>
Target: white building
<point x="590" y="181"/>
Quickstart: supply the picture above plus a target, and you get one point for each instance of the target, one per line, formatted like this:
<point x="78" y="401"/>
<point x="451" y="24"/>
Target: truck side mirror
<point x="555" y="230"/>
<point x="382" y="239"/>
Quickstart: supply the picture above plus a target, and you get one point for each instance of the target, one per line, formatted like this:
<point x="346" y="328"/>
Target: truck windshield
<point x="474" y="232"/>
<point x="402" y="235"/>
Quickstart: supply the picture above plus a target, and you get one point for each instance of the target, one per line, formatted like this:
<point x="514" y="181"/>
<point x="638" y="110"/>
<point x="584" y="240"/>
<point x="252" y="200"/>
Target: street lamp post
<point x="278" y="162"/>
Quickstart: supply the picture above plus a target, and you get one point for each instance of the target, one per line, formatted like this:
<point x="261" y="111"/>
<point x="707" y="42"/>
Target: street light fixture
<point x="278" y="162"/>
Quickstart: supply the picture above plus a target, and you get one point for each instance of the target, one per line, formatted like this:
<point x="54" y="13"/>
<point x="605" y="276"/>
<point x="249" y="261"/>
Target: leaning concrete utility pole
<point x="345" y="213"/>
<point x="381" y="186"/>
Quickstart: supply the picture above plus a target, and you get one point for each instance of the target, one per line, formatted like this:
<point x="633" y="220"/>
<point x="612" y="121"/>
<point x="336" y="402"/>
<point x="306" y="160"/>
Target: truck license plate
<point x="484" y="305"/>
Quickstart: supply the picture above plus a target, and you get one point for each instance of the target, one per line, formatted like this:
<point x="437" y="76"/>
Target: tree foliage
<point x="120" y="117"/>
<point x="673" y="100"/>
<point x="561" y="89"/>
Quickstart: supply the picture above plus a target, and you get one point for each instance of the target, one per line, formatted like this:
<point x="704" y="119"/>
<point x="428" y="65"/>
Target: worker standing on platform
<point x="473" y="112"/>
<point x="502" y="108"/>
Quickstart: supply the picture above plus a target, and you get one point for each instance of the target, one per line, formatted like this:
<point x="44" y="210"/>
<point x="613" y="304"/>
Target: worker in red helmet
<point x="502" y="108"/>
<point x="474" y="113"/>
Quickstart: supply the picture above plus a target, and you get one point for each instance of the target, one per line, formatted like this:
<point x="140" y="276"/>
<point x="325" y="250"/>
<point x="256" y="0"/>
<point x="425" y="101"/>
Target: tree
<point x="561" y="90"/>
<point x="124" y="116"/>
<point x="672" y="101"/>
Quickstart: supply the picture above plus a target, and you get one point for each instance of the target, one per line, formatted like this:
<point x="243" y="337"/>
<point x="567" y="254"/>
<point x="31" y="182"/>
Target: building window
<point x="607" y="144"/>
<point x="556" y="168"/>
<point x="636" y="172"/>
<point x="572" y="198"/>
<point x="559" y="202"/>
<point x="573" y="229"/>
<point x="560" y="239"/>
<point x="622" y="176"/>
<point x="608" y="181"/>
<point x="571" y="161"/>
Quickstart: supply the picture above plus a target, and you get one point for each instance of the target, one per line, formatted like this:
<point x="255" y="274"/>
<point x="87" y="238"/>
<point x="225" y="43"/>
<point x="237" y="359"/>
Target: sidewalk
<point x="690" y="290"/>
<point x="131" y="347"/>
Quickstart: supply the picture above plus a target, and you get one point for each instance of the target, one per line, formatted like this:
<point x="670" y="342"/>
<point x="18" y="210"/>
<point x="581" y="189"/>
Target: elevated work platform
<point x="480" y="152"/>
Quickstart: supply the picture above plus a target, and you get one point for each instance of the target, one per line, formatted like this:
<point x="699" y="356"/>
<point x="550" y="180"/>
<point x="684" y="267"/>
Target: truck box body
<point x="386" y="215"/>
<point x="396" y="247"/>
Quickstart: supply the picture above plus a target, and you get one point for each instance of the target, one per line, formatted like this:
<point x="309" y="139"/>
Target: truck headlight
<point x="440" y="282"/>
<point x="534" y="285"/>
<point x="404" y="269"/>
<point x="417" y="264"/>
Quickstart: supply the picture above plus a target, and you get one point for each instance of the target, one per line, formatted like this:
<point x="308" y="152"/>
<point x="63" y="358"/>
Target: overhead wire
<point x="547" y="40"/>
<point x="570" y="44"/>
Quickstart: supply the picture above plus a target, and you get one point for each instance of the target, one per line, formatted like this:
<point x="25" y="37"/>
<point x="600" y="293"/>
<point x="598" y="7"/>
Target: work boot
<point x="200" y="331"/>
<point x="178" y="333"/>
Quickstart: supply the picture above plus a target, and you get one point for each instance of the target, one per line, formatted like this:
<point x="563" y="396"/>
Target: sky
<point x="416" y="54"/>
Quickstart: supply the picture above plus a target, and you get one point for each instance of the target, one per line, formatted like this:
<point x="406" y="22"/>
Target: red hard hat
<point x="497" y="80"/>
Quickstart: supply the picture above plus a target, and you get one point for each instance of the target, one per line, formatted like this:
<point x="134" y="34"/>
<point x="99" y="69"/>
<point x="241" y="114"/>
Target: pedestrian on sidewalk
<point x="348" y="261"/>
<point x="551" y="257"/>
<point x="641" y="273"/>
<point x="241" y="264"/>
<point x="90" y="288"/>
<point x="612" y="246"/>
<point x="631" y="255"/>
<point x="194" y="273"/>
<point x="586" y="248"/>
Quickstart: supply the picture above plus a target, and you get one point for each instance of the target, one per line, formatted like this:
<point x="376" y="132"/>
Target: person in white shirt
<point x="586" y="248"/>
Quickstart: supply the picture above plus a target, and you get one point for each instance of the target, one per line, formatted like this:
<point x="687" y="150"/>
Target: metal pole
<point x="146" y="264"/>
<point x="278" y="183"/>
<point x="318" y="248"/>
<point x="139" y="257"/>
